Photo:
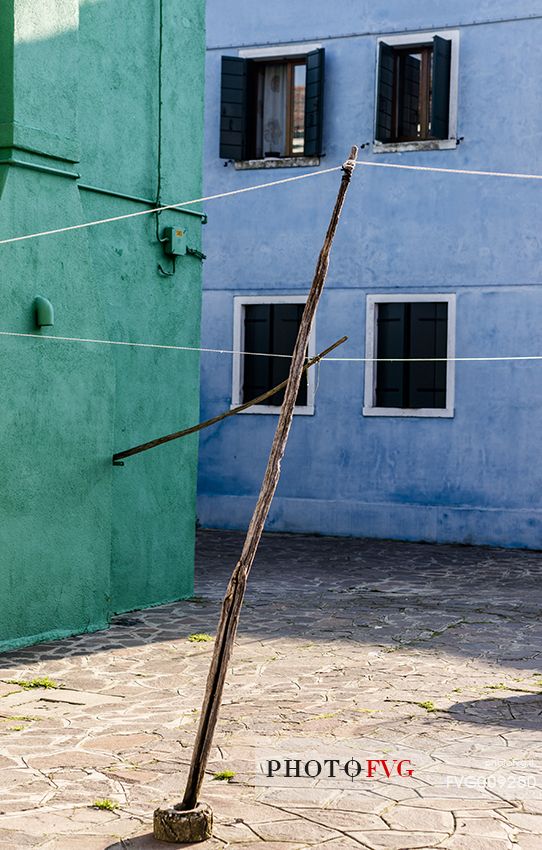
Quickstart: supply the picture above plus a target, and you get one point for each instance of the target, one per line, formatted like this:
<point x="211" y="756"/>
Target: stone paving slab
<point x="348" y="649"/>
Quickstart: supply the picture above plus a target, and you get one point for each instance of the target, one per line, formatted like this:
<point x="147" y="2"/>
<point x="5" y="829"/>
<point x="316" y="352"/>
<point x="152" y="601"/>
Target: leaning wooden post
<point x="190" y="821"/>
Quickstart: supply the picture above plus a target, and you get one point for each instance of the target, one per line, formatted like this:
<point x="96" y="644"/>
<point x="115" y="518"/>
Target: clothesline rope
<point x="516" y="175"/>
<point x="262" y="354"/>
<point x="179" y="205"/>
<point x="320" y="172"/>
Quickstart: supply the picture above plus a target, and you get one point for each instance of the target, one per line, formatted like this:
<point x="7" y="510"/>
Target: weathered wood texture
<point x="144" y="447"/>
<point x="233" y="599"/>
<point x="180" y="826"/>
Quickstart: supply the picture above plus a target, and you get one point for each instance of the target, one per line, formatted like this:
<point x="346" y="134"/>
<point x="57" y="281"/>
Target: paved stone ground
<point x="347" y="649"/>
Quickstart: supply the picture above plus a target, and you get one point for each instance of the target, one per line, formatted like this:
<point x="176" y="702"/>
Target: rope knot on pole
<point x="351" y="162"/>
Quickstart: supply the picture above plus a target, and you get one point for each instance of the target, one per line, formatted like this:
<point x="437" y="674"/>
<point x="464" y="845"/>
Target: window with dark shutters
<point x="407" y="330"/>
<point x="255" y="123"/>
<point x="413" y="92"/>
<point x="270" y="329"/>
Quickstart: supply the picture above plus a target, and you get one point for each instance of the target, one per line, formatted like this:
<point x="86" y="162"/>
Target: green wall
<point x="79" y="91"/>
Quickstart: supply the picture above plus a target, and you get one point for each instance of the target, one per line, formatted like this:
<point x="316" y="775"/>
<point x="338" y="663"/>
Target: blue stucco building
<point x="426" y="265"/>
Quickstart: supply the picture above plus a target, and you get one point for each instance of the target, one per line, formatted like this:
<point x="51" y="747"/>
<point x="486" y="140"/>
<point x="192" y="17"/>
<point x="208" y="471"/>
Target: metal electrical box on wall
<point x="175" y="241"/>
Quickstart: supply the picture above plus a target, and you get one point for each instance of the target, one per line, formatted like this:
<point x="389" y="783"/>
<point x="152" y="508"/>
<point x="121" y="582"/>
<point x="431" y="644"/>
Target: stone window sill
<point x="427" y="145"/>
<point x="299" y="410"/>
<point x="277" y="162"/>
<point x="425" y="412"/>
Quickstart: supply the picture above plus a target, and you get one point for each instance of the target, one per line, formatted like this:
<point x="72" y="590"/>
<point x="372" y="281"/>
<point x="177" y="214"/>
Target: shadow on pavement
<point x="460" y="600"/>
<point x="515" y="712"/>
<point x="147" y="842"/>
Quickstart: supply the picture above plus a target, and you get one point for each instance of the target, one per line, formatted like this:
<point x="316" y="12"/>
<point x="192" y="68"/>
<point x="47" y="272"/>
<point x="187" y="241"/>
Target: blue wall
<point x="476" y="477"/>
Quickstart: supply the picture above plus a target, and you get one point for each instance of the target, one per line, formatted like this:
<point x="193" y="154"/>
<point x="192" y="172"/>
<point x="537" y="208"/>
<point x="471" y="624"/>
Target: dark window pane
<point x="257" y="372"/>
<point x="270" y="329"/>
<point x="405" y="84"/>
<point x="390" y="343"/>
<point x="409" y="331"/>
<point x="428" y="334"/>
<point x="409" y="72"/>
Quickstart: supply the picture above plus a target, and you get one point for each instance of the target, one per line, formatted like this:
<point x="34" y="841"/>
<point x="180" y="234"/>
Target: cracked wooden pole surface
<point x="233" y="599"/>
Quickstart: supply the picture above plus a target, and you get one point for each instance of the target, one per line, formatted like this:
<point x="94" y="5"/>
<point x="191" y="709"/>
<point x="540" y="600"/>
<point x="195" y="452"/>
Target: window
<point x="417" y="90"/>
<point x="411" y="338"/>
<point x="271" y="107"/>
<point x="268" y="326"/>
<point x="279" y="114"/>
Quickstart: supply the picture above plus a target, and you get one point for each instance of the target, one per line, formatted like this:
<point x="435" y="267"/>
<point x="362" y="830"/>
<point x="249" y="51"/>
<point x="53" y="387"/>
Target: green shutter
<point x="314" y="102"/>
<point x="384" y="102"/>
<point x="440" y="109"/>
<point x="391" y="342"/>
<point x="233" y="108"/>
<point x="428" y="338"/>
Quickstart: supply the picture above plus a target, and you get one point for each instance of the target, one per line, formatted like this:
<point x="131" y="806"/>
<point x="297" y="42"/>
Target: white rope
<point x="82" y="225"/>
<point x="512" y="174"/>
<point x="168" y="206"/>
<point x="262" y="354"/>
<point x="431" y="359"/>
<point x="139" y="344"/>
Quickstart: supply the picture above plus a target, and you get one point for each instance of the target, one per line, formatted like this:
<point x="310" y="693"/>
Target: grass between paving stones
<point x="428" y="705"/>
<point x="106" y="805"/>
<point x="502" y="687"/>
<point x="43" y="682"/>
<point x="224" y="775"/>
<point x="15" y="717"/>
<point x="199" y="638"/>
<point x="323" y="716"/>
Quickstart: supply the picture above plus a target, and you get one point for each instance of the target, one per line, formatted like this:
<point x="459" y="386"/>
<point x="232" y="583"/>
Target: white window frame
<point x="416" y="39"/>
<point x="369" y="407"/>
<point x="239" y="303"/>
<point x="278" y="51"/>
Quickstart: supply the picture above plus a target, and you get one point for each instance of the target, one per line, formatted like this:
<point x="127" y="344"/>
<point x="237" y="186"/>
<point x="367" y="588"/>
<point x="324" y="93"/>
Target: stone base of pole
<point x="178" y="825"/>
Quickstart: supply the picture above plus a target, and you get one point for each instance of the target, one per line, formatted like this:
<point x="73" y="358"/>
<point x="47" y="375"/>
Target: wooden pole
<point x="233" y="599"/>
<point x="144" y="447"/>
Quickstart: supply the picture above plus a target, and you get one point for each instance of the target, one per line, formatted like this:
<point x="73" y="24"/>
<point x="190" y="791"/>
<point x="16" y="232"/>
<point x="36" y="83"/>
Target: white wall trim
<point x="239" y="302"/>
<point x="416" y="39"/>
<point x="369" y="408"/>
<point x="278" y="50"/>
